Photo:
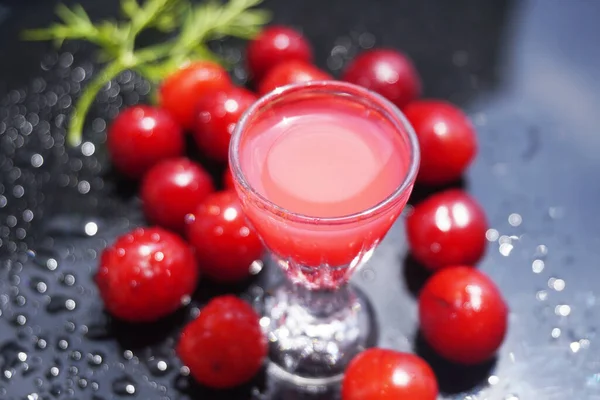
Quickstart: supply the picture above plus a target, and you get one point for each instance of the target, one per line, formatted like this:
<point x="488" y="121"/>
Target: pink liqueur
<point x="323" y="157"/>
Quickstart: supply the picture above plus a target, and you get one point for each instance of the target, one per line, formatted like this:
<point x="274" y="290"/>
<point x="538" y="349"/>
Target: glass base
<point x="313" y="335"/>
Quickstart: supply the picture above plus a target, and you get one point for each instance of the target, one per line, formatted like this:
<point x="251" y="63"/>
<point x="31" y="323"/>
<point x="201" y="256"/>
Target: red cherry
<point x="447" y="228"/>
<point x="463" y="315"/>
<point x="387" y="72"/>
<point x="224" y="347"/>
<point x="447" y="140"/>
<point x="274" y="45"/>
<point x="228" y="182"/>
<point x="172" y="189"/>
<point x="290" y="72"/>
<point x="180" y="91"/>
<point x="140" y="137"/>
<point x="146" y="274"/>
<point x="224" y="242"/>
<point x="216" y="116"/>
<point x="381" y="374"/>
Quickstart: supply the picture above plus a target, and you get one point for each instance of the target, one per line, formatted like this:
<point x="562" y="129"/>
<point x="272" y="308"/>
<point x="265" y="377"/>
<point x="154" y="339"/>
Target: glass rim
<point x="341" y="88"/>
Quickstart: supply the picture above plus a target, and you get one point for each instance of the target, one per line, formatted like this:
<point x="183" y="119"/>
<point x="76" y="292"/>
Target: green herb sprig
<point x="189" y="28"/>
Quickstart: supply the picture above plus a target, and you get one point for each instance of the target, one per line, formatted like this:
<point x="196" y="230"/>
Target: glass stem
<point x="313" y="334"/>
<point x="322" y="304"/>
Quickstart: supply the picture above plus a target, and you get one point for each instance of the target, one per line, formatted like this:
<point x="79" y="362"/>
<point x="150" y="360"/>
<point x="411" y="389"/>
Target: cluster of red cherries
<point x="150" y="272"/>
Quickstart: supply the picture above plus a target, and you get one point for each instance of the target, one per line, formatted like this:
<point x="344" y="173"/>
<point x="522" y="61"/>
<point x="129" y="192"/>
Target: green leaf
<point x="148" y="14"/>
<point x="130" y="8"/>
<point x="193" y="26"/>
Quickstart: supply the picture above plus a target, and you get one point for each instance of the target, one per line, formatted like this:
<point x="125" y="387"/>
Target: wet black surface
<point x="525" y="71"/>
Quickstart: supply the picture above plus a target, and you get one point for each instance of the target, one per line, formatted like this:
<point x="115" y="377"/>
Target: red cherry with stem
<point x="463" y="315"/>
<point x="447" y="228"/>
<point x="387" y="72"/>
<point x="146" y="275"/>
<point x="172" y="189"/>
<point x="290" y="72"/>
<point x="224" y="347"/>
<point x="224" y="241"/>
<point x="216" y="115"/>
<point x="274" y="45"/>
<point x="180" y="91"/>
<point x="228" y="182"/>
<point x="382" y="374"/>
<point x="140" y="137"/>
<point x="447" y="140"/>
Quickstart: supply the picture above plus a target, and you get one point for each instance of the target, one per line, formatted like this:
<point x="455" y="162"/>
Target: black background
<point x="527" y="72"/>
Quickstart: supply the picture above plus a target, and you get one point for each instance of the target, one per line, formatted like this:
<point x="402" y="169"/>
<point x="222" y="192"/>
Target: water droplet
<point x="556" y="212"/>
<point x="94" y="360"/>
<point x="37" y="160"/>
<point x="158" y="367"/>
<point x="124" y="386"/>
<point x="60" y="303"/>
<point x="556" y="284"/>
<point x="256" y="267"/>
<point x="541" y="251"/>
<point x="53" y="372"/>
<point x="555" y="333"/>
<point x="41" y="343"/>
<point x="505" y="249"/>
<point x="91" y="228"/>
<point x="70" y="326"/>
<point x="88" y="148"/>
<point x="20" y="320"/>
<point x="515" y="219"/>
<point x="67" y="279"/>
<point x="537" y="266"/>
<point x="367" y="274"/>
<point x="51" y="264"/>
<point x="75" y="355"/>
<point x="366" y="40"/>
<point x="562" y="310"/>
<point x="492" y="235"/>
<point x="575" y="347"/>
<point x="84" y="187"/>
<point x="62" y="344"/>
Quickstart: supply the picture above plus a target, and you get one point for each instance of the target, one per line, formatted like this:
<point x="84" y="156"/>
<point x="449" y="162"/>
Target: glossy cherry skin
<point x="146" y="275"/>
<point x="140" y="137"/>
<point x="447" y="228"/>
<point x="180" y="91"/>
<point x="447" y="140"/>
<point x="217" y="113"/>
<point x="172" y="189"/>
<point x="224" y="242"/>
<point x="228" y="182"/>
<point x="382" y="374"/>
<point x="290" y="72"/>
<point x="274" y="45"/>
<point x="224" y="347"/>
<point x="387" y="72"/>
<point x="463" y="315"/>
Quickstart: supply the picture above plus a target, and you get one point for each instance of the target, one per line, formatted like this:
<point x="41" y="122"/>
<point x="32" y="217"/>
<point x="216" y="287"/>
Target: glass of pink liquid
<point x="322" y="170"/>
